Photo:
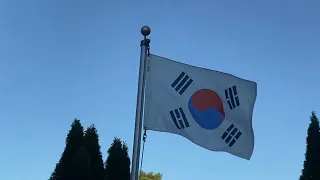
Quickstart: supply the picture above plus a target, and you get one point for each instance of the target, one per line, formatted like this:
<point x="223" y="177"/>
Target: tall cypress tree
<point x="75" y="140"/>
<point x="92" y="144"/>
<point x="80" y="168"/>
<point x="311" y="166"/>
<point x="117" y="165"/>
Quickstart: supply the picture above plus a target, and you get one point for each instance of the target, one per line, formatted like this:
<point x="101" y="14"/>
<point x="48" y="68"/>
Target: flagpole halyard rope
<point x="144" y="138"/>
<point x="148" y="49"/>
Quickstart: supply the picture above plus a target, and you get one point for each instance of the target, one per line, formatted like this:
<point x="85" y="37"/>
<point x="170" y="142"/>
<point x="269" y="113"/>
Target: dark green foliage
<point x="95" y="160"/>
<point x="117" y="165"/>
<point x="80" y="168"/>
<point x="150" y="176"/>
<point x="64" y="169"/>
<point x="82" y="159"/>
<point x="311" y="166"/>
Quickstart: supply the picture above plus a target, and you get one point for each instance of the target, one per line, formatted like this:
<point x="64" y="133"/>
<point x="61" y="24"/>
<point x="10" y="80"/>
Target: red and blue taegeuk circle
<point x="206" y="108"/>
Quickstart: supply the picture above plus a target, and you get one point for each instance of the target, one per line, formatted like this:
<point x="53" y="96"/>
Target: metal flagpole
<point x="145" y="31"/>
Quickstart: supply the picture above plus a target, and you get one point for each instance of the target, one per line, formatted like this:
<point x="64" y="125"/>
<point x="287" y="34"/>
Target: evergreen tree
<point x="92" y="144"/>
<point x="80" y="168"/>
<point x="311" y="169"/>
<point x="117" y="165"/>
<point x="74" y="142"/>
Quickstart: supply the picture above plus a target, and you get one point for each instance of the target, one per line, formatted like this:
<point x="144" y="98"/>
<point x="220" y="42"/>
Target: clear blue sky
<point x="61" y="60"/>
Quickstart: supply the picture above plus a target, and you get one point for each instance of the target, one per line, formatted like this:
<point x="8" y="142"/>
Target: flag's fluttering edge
<point x="210" y="108"/>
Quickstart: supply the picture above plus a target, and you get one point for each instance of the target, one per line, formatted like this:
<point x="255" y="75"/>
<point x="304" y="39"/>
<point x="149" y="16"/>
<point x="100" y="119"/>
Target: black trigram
<point x="182" y="83"/>
<point x="231" y="135"/>
<point x="179" y="118"/>
<point x="232" y="97"/>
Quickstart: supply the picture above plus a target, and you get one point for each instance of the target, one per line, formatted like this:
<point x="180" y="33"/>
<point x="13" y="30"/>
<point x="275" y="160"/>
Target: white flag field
<point x="210" y="108"/>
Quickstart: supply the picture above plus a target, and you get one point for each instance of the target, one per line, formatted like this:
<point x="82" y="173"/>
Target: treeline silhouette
<point x="82" y="158"/>
<point x="311" y="165"/>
